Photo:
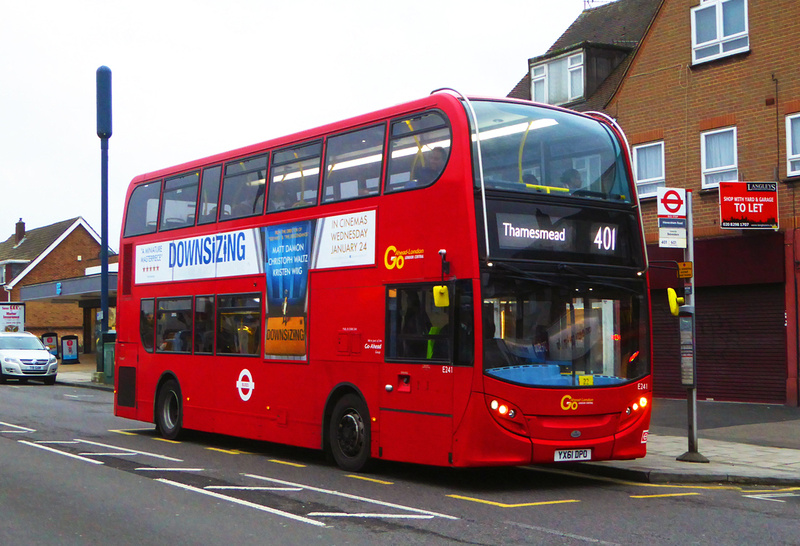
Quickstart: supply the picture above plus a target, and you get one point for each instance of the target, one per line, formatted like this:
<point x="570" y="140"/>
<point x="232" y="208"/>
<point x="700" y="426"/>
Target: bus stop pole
<point x="104" y="132"/>
<point x="688" y="346"/>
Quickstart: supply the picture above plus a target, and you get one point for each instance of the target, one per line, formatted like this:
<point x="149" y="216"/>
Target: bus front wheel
<point x="349" y="433"/>
<point x="168" y="410"/>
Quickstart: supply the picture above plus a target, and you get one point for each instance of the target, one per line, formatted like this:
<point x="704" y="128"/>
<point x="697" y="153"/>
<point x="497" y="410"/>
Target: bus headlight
<point x="507" y="415"/>
<point x="634" y="410"/>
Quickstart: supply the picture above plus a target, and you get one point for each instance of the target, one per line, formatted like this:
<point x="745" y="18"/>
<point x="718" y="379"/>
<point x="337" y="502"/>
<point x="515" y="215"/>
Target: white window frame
<point x="574" y="64"/>
<point x="539" y="78"/>
<point x="711" y="171"/>
<point x="720" y="40"/>
<point x="653" y="183"/>
<point x="792" y="159"/>
<point x="573" y="67"/>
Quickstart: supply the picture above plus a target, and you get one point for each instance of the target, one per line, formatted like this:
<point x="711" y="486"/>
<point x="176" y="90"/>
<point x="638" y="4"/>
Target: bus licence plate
<point x="573" y="455"/>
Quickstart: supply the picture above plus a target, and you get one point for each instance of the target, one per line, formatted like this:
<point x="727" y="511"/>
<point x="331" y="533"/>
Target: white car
<point x="23" y="357"/>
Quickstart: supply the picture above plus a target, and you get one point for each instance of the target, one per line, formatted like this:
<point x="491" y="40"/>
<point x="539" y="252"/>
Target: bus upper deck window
<point x="294" y="178"/>
<point x="243" y="187"/>
<point x="420" y="148"/>
<point x="179" y="201"/>
<point x="142" y="215"/>
<point x="353" y="164"/>
<point x="209" y="195"/>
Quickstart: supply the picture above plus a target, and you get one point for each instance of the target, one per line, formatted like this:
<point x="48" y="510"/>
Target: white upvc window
<point x="719" y="29"/>
<point x="558" y="81"/>
<point x="648" y="168"/>
<point x="539" y="83"/>
<point x="793" y="145"/>
<point x="575" y="68"/>
<point x="719" y="157"/>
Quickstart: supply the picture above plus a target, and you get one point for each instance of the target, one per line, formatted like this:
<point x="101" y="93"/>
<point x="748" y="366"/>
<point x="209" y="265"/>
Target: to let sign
<point x="748" y="205"/>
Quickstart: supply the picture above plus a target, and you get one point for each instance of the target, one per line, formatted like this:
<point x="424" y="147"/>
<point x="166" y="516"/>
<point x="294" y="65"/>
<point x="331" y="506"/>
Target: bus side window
<point x="174" y="325"/>
<point x="147" y="324"/>
<point x="294" y="179"/>
<point x="465" y="318"/>
<point x="353" y="164"/>
<point x="243" y="187"/>
<point x="419" y="150"/>
<point x="142" y="214"/>
<point x="239" y="324"/>
<point x="416" y="328"/>
<point x="204" y="324"/>
<point x="209" y="195"/>
<point x="179" y="201"/>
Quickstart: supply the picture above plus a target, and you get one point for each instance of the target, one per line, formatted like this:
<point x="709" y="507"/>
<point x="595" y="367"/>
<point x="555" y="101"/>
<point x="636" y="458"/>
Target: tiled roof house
<point x="59" y="251"/>
<point x="583" y="68"/>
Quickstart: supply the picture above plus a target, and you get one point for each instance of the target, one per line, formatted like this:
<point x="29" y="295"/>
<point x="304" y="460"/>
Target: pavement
<point x="744" y="443"/>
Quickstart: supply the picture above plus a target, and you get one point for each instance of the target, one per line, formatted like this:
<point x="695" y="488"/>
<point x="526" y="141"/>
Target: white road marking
<point x="149" y="469"/>
<point x="131" y="451"/>
<point x="562" y="534"/>
<point x="343" y="515"/>
<point x="250" y="488"/>
<point x="349" y="496"/>
<point x="40" y="446"/>
<point x="774" y="497"/>
<point x="93" y="454"/>
<point x="18" y="429"/>
<point x="244" y="503"/>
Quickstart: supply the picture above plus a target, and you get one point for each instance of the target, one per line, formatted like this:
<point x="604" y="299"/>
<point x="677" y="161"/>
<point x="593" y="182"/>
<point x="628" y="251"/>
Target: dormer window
<point x="559" y="80"/>
<point x="719" y="29"/>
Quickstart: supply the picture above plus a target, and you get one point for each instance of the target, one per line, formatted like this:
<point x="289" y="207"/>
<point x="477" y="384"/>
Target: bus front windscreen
<point x="534" y="149"/>
<point x="557" y="333"/>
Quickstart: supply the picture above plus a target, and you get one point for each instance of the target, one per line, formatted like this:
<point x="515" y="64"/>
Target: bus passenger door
<point x="416" y="396"/>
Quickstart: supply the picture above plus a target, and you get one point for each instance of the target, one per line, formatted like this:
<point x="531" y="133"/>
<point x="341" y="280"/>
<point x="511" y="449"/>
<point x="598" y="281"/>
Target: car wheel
<point x="349" y="433"/>
<point x="50" y="380"/>
<point x="169" y="411"/>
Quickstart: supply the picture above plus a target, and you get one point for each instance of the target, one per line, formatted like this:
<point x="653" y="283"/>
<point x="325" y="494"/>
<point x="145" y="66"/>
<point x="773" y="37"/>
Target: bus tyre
<point x="349" y="433"/>
<point x="169" y="412"/>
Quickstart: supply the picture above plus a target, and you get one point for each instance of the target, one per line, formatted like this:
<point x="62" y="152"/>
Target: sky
<point x="195" y="78"/>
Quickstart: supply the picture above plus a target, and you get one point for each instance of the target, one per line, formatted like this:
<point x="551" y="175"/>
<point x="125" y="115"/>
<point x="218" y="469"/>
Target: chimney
<point x="20" y="231"/>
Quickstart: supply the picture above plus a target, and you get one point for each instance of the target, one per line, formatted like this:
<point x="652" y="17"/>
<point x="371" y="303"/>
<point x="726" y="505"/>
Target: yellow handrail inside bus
<point x="546" y="189"/>
<point x="419" y="155"/>
<point x="521" y="147"/>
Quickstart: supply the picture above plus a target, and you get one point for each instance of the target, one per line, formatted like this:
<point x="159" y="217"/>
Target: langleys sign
<point x="748" y="205"/>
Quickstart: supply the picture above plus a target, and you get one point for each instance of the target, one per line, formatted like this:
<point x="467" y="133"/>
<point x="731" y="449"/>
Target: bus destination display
<point x="554" y="234"/>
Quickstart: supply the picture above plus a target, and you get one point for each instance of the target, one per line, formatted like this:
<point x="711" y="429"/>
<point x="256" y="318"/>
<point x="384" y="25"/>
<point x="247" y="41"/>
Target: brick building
<point x="40" y="258"/>
<point x="709" y="93"/>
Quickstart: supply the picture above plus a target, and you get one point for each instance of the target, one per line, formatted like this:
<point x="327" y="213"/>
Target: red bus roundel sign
<point x="671" y="202"/>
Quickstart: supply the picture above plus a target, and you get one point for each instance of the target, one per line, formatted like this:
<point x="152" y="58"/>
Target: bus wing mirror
<point x="441" y="296"/>
<point x="674" y="301"/>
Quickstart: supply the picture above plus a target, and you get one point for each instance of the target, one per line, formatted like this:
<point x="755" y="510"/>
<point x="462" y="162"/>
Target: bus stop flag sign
<point x="748" y="205"/>
<point x="671" y="204"/>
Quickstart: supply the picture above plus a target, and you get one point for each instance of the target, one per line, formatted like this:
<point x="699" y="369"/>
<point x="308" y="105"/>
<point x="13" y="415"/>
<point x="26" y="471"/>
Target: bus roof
<point x="435" y="99"/>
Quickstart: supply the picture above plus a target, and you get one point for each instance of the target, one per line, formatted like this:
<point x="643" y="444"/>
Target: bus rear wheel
<point x="168" y="410"/>
<point x="349" y="433"/>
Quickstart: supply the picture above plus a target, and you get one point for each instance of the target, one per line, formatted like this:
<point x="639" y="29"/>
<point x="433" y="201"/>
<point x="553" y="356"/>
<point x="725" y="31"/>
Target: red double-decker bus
<point x="449" y="281"/>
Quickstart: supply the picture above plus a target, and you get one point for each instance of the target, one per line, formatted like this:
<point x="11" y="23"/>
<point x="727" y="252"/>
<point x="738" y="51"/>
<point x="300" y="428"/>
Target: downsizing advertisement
<point x="284" y="253"/>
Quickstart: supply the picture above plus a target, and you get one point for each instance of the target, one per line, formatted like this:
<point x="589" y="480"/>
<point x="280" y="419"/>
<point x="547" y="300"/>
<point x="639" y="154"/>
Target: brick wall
<point x="62" y="263"/>
<point x="663" y="93"/>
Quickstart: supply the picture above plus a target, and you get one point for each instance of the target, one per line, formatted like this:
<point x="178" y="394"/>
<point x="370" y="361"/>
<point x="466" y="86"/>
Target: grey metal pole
<point x="692" y="455"/>
<point x="104" y="132"/>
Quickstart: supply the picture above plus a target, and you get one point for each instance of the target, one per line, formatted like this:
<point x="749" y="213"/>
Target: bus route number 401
<point x="573" y="455"/>
<point x="606" y="238"/>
